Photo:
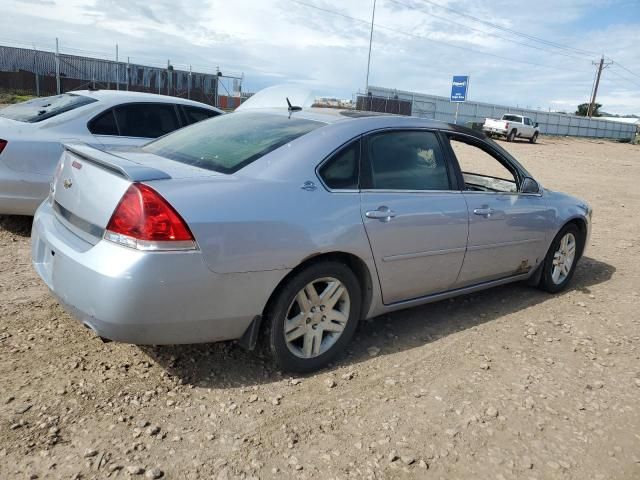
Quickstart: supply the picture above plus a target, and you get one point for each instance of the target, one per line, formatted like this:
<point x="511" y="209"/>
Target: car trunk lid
<point x="89" y="184"/>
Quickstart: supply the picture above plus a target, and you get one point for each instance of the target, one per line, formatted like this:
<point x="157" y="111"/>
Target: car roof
<point x="122" y="96"/>
<point x="374" y="120"/>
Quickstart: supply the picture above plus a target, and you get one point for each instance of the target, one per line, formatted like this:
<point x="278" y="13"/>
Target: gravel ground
<point x="507" y="383"/>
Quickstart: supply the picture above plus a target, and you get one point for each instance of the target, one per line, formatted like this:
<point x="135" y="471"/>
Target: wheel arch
<point x="581" y="223"/>
<point x="256" y="329"/>
<point x="355" y="263"/>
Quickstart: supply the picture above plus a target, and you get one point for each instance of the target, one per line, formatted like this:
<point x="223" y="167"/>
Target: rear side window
<point x="407" y="160"/>
<point x="147" y="120"/>
<point x="195" y="114"/>
<point x="104" y="124"/>
<point x="39" y="109"/>
<point x="341" y="171"/>
<point x="227" y="143"/>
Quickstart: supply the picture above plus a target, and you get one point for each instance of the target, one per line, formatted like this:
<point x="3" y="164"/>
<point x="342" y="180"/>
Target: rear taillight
<point x="506" y="125"/>
<point x="3" y="144"/>
<point x="145" y="221"/>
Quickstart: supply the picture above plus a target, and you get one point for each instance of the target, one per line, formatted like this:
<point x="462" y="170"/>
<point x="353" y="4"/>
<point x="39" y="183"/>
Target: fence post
<point x="189" y="84"/>
<point x="127" y="73"/>
<point x="57" y="57"/>
<point x="35" y="70"/>
<point x="117" y="70"/>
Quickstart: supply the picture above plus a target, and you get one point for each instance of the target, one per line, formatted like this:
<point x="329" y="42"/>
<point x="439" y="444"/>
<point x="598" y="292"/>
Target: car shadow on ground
<point x="226" y="365"/>
<point x="16" y="224"/>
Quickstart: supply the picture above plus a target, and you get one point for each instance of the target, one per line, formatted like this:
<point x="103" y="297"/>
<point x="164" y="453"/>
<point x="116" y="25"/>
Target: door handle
<point x="485" y="212"/>
<point x="383" y="213"/>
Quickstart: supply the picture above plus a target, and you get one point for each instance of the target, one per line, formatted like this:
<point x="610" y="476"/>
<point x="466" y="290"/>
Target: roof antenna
<point x="292" y="108"/>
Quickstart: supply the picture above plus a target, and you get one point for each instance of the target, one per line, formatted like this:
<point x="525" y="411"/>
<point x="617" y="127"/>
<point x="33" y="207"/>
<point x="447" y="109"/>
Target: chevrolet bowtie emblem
<point x="67" y="183"/>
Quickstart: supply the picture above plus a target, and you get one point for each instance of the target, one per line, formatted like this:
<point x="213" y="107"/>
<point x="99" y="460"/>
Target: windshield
<point x="229" y="142"/>
<point x="39" y="109"/>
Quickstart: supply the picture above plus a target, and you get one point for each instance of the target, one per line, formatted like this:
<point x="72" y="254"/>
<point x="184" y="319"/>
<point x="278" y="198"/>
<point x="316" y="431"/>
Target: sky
<point x="531" y="53"/>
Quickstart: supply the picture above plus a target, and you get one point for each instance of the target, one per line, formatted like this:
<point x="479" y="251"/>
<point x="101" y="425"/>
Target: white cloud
<point x="276" y="40"/>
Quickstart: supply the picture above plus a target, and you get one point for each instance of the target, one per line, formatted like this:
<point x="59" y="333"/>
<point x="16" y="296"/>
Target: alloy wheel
<point x="316" y="317"/>
<point x="563" y="258"/>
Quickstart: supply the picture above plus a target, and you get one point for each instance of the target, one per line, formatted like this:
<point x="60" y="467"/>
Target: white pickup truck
<point x="512" y="126"/>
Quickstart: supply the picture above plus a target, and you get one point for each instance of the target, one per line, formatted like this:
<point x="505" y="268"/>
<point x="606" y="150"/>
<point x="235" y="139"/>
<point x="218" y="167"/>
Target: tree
<point x="583" y="109"/>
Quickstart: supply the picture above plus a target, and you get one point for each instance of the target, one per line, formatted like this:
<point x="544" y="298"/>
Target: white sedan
<point x="32" y="133"/>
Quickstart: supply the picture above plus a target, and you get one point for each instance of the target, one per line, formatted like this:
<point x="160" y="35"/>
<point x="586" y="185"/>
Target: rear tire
<point x="511" y="136"/>
<point x="562" y="258"/>
<point x="534" y="138"/>
<point x="314" y="316"/>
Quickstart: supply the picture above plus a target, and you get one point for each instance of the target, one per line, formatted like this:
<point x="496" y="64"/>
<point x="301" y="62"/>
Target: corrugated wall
<point x="440" y="108"/>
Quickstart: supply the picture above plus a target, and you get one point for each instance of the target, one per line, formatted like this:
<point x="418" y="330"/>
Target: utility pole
<point x="601" y="66"/>
<point x="373" y="16"/>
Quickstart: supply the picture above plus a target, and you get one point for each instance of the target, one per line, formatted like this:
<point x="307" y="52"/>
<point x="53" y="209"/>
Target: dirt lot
<point x="508" y="383"/>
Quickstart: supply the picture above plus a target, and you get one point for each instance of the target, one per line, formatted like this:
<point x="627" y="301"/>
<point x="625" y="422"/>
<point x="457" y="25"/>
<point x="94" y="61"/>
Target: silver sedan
<point x="289" y="226"/>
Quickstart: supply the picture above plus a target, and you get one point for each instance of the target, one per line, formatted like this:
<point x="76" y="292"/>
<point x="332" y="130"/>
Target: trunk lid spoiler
<point x="117" y="165"/>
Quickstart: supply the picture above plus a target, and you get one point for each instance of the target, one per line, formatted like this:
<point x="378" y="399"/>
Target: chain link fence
<point x="41" y="73"/>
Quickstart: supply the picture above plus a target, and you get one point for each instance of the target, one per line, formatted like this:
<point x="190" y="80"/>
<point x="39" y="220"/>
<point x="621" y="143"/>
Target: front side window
<point x="227" y="143"/>
<point x="341" y="171"/>
<point x="407" y="160"/>
<point x="527" y="121"/>
<point x="146" y="120"/>
<point x="39" y="109"/>
<point x="481" y="170"/>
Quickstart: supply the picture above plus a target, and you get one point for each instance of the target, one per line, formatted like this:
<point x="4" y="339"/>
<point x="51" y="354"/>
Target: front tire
<point x="534" y="138"/>
<point x="561" y="260"/>
<point x="314" y="316"/>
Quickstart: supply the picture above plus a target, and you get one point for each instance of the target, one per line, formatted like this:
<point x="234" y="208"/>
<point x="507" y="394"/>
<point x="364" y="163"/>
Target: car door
<point x="134" y="124"/>
<point x="528" y="127"/>
<point x="415" y="218"/>
<point x="507" y="228"/>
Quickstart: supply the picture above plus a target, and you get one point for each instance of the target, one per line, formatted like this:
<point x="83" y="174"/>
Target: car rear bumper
<point x="138" y="297"/>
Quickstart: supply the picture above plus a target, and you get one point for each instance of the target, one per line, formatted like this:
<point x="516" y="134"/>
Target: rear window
<point x="227" y="143"/>
<point x="512" y="118"/>
<point x="40" y="109"/>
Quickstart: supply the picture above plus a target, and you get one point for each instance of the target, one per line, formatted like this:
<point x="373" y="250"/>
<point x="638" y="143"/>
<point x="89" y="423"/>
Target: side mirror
<point x="535" y="124"/>
<point x="529" y="185"/>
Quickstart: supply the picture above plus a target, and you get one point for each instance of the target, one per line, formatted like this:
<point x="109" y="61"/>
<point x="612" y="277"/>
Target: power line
<point x="619" y="65"/>
<point x="421" y="37"/>
<point x="525" y="35"/>
<point x="627" y="79"/>
<point x="514" y="32"/>
<point x="493" y="34"/>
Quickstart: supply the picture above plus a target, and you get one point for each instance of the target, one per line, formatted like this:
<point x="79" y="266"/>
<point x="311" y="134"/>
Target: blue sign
<point x="459" y="88"/>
